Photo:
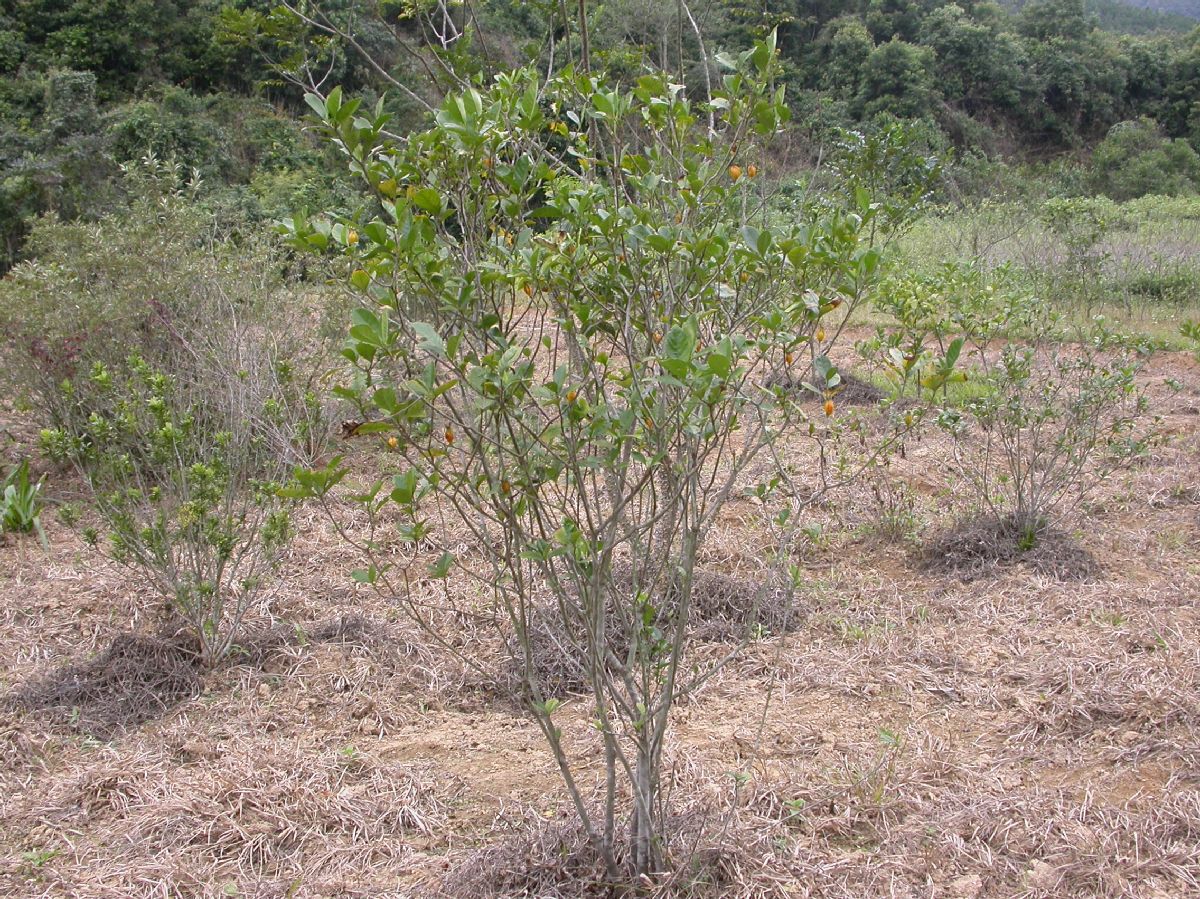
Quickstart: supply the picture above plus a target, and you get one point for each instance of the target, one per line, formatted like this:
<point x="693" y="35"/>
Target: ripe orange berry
<point x="571" y="395"/>
<point x="658" y="336"/>
<point x="789" y="358"/>
<point x="752" y="171"/>
<point x="449" y="435"/>
<point x="829" y="407"/>
<point x="735" y="172"/>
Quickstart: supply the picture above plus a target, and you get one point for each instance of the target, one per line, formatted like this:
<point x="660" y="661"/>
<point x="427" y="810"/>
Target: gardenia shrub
<point x="574" y="309"/>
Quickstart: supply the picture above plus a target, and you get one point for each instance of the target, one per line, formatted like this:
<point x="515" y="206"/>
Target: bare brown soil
<point x="1032" y="729"/>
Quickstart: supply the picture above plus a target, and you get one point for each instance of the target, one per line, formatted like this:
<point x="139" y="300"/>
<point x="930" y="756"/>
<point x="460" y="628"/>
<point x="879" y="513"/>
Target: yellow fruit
<point x="735" y="172"/>
<point x="571" y="395"/>
<point x="820" y="335"/>
<point x="829" y="407"/>
<point x="393" y="442"/>
<point x="789" y="358"/>
<point x="352" y="237"/>
<point x="744" y="277"/>
<point x="752" y="171"/>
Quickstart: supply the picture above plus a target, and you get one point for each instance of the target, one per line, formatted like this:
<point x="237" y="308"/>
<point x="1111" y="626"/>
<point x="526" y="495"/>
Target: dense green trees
<point x="216" y="84"/>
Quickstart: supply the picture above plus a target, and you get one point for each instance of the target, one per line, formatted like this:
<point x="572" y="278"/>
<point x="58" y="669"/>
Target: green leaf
<point x="317" y="105"/>
<point x="428" y="200"/>
<point x="429" y="339"/>
<point x="680" y="343"/>
<point x="441" y="567"/>
<point x="365" y="575"/>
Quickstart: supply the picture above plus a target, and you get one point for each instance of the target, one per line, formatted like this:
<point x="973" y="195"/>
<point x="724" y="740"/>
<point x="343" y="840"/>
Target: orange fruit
<point x="829" y="407"/>
<point x="449" y="435"/>
<point x="528" y="290"/>
<point x="735" y="172"/>
<point x="571" y="395"/>
<point x="393" y="442"/>
<point x="505" y="487"/>
<point x="788" y="358"/>
<point x="658" y="337"/>
<point x="752" y="171"/>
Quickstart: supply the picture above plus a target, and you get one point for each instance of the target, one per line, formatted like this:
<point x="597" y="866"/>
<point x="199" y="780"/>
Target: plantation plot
<point x="676" y="546"/>
<point x="1010" y="733"/>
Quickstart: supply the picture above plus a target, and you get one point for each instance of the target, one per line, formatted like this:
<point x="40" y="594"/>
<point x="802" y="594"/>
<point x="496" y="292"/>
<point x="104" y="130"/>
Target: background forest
<point x="1084" y="96"/>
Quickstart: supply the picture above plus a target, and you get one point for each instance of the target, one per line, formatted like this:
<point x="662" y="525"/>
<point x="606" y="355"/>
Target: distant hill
<point x="1145" y="16"/>
<point x="1187" y="8"/>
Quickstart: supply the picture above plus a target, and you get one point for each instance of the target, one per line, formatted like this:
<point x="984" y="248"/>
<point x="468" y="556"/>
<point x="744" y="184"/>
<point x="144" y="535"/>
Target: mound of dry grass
<point x="853" y="391"/>
<point x="976" y="547"/>
<point x="139" y="678"/>
<point x="134" y="680"/>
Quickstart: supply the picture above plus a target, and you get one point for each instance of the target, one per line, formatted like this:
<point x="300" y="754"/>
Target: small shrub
<point x="1054" y="417"/>
<point x="574" y="310"/>
<point x="187" y="484"/>
<point x="183" y="389"/>
<point x="1191" y="331"/>
<point x="1081" y="225"/>
<point x="21" y="504"/>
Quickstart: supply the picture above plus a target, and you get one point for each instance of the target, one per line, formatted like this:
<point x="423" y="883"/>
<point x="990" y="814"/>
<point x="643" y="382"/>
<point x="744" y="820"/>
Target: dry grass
<point x="1013" y="733"/>
<point x="971" y="547"/>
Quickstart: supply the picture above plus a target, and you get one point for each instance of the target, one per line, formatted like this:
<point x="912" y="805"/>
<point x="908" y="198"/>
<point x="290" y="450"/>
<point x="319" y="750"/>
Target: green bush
<point x="20" y="503"/>
<point x="1053" y="415"/>
<point x="154" y="279"/>
<point x="1137" y="159"/>
<point x="186" y="477"/>
<point x="171" y="366"/>
<point x="577" y="323"/>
